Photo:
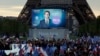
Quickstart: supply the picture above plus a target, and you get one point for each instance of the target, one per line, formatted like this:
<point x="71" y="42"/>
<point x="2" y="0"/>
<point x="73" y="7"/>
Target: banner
<point x="47" y="33"/>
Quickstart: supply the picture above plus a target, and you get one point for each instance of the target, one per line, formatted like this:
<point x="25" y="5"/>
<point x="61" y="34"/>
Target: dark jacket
<point x="42" y="24"/>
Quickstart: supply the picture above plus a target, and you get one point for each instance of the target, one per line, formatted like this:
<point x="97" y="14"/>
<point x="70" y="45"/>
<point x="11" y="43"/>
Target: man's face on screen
<point x="46" y="15"/>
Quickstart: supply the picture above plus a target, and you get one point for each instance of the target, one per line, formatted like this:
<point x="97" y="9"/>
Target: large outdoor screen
<point x="48" y="18"/>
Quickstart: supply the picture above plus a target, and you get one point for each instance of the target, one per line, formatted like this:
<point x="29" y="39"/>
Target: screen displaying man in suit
<point x="48" y="18"/>
<point x="46" y="22"/>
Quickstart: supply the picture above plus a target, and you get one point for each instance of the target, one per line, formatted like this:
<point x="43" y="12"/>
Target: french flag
<point x="42" y="52"/>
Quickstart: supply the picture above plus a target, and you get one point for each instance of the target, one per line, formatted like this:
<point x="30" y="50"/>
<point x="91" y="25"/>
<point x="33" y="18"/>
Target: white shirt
<point x="47" y="21"/>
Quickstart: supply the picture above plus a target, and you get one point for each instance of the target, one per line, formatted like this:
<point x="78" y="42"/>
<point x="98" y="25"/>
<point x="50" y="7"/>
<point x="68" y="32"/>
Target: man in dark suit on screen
<point x="46" y="22"/>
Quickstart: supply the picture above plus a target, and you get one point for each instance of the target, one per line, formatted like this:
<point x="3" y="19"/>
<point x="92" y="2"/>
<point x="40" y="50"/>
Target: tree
<point x="98" y="24"/>
<point x="91" y="27"/>
<point x="12" y="26"/>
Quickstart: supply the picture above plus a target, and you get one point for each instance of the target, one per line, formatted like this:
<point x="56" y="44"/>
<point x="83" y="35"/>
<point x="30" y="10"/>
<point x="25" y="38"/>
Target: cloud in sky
<point x="95" y="6"/>
<point x="11" y="11"/>
<point x="8" y="13"/>
<point x="97" y="12"/>
<point x="17" y="7"/>
<point x="11" y="7"/>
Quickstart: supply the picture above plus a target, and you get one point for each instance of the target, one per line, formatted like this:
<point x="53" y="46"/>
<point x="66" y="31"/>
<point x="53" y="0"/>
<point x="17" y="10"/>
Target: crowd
<point x="6" y="41"/>
<point x="83" y="46"/>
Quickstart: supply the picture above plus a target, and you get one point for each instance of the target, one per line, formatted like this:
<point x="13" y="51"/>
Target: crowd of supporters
<point x="83" y="46"/>
<point x="6" y="41"/>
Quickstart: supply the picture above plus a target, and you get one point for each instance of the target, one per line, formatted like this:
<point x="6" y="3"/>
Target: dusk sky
<point x="14" y="7"/>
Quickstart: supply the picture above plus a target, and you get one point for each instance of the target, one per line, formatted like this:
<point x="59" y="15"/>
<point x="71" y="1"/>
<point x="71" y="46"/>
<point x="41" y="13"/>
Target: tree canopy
<point x="12" y="26"/>
<point x="91" y="27"/>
